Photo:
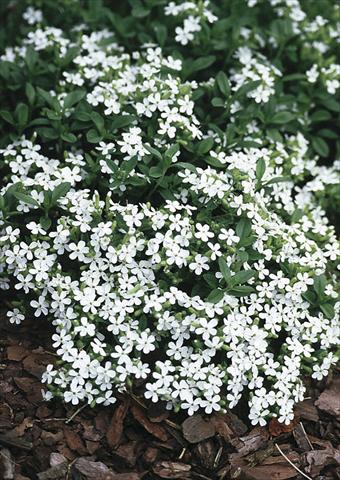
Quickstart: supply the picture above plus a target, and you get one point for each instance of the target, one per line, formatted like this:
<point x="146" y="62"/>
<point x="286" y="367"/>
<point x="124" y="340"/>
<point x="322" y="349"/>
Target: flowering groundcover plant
<point x="167" y="210"/>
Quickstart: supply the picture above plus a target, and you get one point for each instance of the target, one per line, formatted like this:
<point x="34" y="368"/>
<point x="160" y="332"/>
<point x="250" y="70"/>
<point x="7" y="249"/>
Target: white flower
<point x="74" y="396"/>
<point x="203" y="232"/>
<point x="207" y="328"/>
<point x="15" y="316"/>
<point x="32" y="15"/>
<point x="85" y="328"/>
<point x="40" y="306"/>
<point x="200" y="264"/>
<point x="145" y="342"/>
<point x="78" y="251"/>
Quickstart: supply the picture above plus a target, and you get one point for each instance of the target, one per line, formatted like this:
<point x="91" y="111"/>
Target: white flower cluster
<point x="32" y="15"/>
<point x="144" y="84"/>
<point x="38" y="39"/>
<point x="255" y="67"/>
<point x="285" y="8"/>
<point x="116" y="281"/>
<point x="329" y="76"/>
<point x="149" y="93"/>
<point x="195" y="13"/>
<point x="223" y="284"/>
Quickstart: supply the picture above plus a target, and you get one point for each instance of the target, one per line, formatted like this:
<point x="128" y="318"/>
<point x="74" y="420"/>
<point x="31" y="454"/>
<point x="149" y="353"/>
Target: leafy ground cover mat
<point x="135" y="440"/>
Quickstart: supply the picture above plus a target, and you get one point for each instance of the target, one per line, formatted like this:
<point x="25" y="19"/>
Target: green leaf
<point x="69" y="56"/>
<point x="185" y="165"/>
<point x="218" y="102"/>
<point x="241" y="277"/>
<point x="215" y="296"/>
<point x="248" y="144"/>
<point x="328" y="310"/>
<point x="171" y="151"/>
<point x="156" y="172"/>
<point x="319" y="285"/>
<point x="327" y="133"/>
<point x="223" y="83"/>
<point x="243" y="228"/>
<point x="202" y="63"/>
<point x="30" y="93"/>
<point x="31" y="58"/>
<point x="224" y="269"/>
<point x="247" y="87"/>
<point x="161" y="33"/>
<point x="7" y="116"/>
<point x="320" y="146"/>
<point x="254" y="255"/>
<point x="48" y="133"/>
<point x="140" y="12"/>
<point x="205" y="146"/>
<point x="297" y="215"/>
<point x="51" y="101"/>
<point x="331" y="104"/>
<point x="320" y="116"/>
<point x="128" y="165"/>
<point x="23" y="197"/>
<point x="98" y="121"/>
<point x="154" y="152"/>
<point x="310" y="297"/>
<point x="242" y="255"/>
<point x="73" y="97"/>
<point x="260" y="168"/>
<point x="241" y="291"/>
<point x="69" y="137"/>
<point x="120" y="121"/>
<point x="282" y="117"/>
<point x="60" y="191"/>
<point x="274" y="135"/>
<point x="278" y="180"/>
<point x="45" y="222"/>
<point x="21" y="113"/>
<point x="294" y="77"/>
<point x="93" y="136"/>
<point x="113" y="167"/>
<point x="211" y="280"/>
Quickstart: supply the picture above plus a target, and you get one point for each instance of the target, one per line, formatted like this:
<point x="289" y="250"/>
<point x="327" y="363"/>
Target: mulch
<point x="133" y="440"/>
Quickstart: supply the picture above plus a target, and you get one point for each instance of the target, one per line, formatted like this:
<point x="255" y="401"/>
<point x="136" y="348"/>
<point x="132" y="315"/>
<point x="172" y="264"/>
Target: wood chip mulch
<point x="133" y="440"/>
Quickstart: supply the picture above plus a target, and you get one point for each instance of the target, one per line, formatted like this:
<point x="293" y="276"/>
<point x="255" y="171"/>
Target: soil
<point x="134" y="440"/>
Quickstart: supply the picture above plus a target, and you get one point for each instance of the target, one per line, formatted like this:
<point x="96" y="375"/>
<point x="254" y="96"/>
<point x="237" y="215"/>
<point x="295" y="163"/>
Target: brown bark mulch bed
<point x="133" y="440"/>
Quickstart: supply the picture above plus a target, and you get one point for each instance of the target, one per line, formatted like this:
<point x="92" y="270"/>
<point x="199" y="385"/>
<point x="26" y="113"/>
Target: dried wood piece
<point x="155" y="429"/>
<point x="36" y="363"/>
<point x="223" y="426"/>
<point x="9" y="439"/>
<point x="276" y="428"/>
<point x="16" y="353"/>
<point x="317" y="460"/>
<point x="329" y="400"/>
<point x="256" y="439"/>
<point x="301" y="438"/>
<point x="54" y="473"/>
<point x="196" y="428"/>
<point x="307" y="410"/>
<point x="74" y="441"/>
<point x="7" y="464"/>
<point x="172" y="470"/>
<point x="115" y="430"/>
<point x="93" y="470"/>
<point x="272" y="468"/>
